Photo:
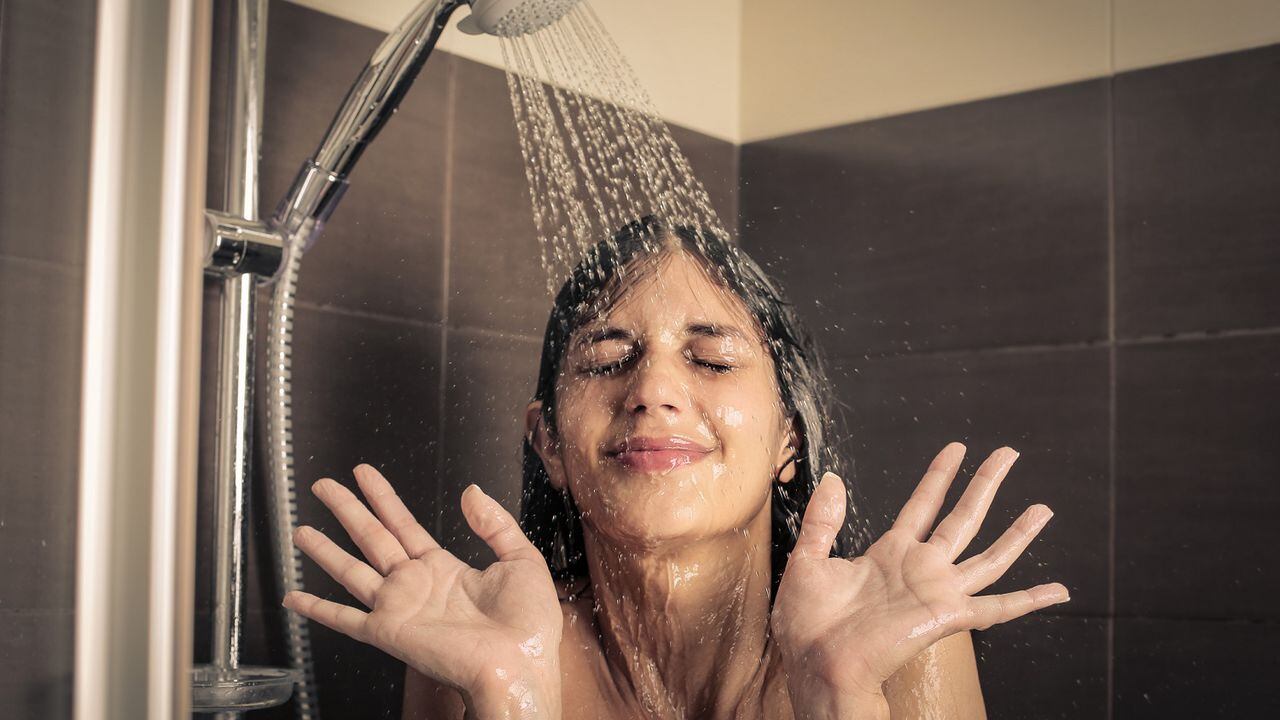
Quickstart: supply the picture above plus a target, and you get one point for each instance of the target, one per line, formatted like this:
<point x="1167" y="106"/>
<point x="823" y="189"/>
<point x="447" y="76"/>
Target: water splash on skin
<point x="534" y="647"/>
<point x="931" y="625"/>
<point x="730" y="416"/>
<point x="683" y="575"/>
<point x="704" y="429"/>
<point x="519" y="691"/>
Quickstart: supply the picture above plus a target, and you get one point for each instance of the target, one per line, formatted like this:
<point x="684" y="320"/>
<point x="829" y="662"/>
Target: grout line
<point x="76" y="269"/>
<point x="1199" y="336"/>
<point x="430" y="324"/>
<point x="1112" y="404"/>
<point x="366" y="315"/>
<point x="1147" y="617"/>
<point x="1111" y="37"/>
<point x="491" y="333"/>
<point x="1171" y="338"/>
<point x="51" y="612"/>
<point x="994" y="350"/>
<point x="446" y="222"/>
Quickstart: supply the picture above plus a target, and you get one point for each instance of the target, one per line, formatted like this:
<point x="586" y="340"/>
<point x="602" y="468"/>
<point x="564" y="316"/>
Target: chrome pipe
<point x="234" y="432"/>
<point x="244" y="132"/>
<point x="370" y="102"/>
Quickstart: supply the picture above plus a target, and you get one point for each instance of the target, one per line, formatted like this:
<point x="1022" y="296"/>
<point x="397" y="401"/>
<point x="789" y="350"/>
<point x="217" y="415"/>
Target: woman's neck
<point x="685" y="626"/>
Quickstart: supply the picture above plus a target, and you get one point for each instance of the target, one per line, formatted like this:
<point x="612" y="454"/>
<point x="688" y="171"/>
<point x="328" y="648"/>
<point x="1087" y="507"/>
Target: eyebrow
<point x="696" y="329"/>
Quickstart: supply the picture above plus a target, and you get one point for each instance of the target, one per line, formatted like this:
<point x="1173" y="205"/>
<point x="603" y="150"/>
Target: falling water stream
<point x="596" y="154"/>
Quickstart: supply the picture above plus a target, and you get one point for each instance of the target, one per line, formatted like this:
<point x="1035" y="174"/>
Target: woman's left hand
<point x="844" y="626"/>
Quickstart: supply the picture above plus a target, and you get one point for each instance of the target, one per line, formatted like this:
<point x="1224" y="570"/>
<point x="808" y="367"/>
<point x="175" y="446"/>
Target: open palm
<point x="852" y="623"/>
<point x="442" y="617"/>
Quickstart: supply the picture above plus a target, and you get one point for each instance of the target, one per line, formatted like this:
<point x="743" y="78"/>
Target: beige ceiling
<point x="745" y="70"/>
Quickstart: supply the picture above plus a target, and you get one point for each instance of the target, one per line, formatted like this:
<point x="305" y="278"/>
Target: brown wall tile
<point x="491" y="380"/>
<point x="46" y="92"/>
<point x="40" y="312"/>
<point x="496" y="280"/>
<point x="1198" y="478"/>
<point x="36" y="652"/>
<point x="977" y="225"/>
<point x="1186" y="669"/>
<point x="1050" y="406"/>
<point x="1197" y="177"/>
<point x="1042" y="666"/>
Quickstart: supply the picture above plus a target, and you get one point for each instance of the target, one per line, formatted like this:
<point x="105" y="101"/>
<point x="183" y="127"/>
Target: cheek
<point x="580" y="408"/>
<point x="748" y="419"/>
<point x="584" y="418"/>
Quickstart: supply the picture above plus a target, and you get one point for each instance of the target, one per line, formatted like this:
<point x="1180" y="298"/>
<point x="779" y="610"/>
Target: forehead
<point x="673" y="289"/>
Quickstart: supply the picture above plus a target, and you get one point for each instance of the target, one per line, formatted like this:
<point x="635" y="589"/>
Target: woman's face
<point x="669" y="417"/>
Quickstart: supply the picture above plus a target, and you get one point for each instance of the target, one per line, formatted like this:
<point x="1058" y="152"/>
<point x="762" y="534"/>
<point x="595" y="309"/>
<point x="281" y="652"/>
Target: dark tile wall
<point x="1089" y="274"/>
<point x="980" y="225"/>
<point x="959" y="265"/>
<point x="420" y="317"/>
<point x="46" y="78"/>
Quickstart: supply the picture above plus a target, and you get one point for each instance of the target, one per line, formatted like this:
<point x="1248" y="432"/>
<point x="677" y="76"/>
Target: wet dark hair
<point x="550" y="517"/>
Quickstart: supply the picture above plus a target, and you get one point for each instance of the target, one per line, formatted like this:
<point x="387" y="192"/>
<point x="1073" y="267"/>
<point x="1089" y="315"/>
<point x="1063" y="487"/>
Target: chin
<point x="648" y="510"/>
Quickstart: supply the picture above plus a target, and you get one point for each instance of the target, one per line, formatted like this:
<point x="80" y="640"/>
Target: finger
<point x="359" y="579"/>
<point x="393" y="513"/>
<point x="986" y="567"/>
<point x="921" y="510"/>
<point x="495" y="526"/>
<point x="957" y="529"/>
<point x="346" y="620"/>
<point x="823" y="518"/>
<point x="988" y="610"/>
<point x="375" y="541"/>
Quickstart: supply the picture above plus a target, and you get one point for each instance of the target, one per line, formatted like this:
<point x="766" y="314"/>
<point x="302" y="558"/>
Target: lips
<point x="658" y="454"/>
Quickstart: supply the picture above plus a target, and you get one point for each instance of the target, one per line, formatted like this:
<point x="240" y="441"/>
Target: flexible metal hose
<point x="283" y="496"/>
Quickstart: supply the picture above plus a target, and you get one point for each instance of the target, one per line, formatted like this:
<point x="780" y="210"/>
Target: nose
<point x="656" y="387"/>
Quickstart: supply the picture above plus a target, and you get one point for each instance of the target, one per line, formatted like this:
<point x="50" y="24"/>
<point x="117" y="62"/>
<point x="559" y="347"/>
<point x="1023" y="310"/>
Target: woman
<point x="676" y="435"/>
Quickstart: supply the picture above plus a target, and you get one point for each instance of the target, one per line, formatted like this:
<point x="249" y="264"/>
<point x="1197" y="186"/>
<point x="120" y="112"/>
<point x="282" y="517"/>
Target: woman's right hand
<point x="492" y="635"/>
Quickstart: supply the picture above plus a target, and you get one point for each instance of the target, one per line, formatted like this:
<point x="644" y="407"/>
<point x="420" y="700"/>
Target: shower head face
<point x="508" y="18"/>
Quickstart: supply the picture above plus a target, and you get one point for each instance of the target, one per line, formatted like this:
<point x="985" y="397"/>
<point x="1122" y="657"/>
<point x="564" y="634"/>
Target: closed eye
<point x="608" y="368"/>
<point x="715" y="367"/>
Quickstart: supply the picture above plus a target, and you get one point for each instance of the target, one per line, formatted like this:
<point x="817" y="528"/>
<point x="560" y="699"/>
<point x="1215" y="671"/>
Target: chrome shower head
<point x="509" y="18"/>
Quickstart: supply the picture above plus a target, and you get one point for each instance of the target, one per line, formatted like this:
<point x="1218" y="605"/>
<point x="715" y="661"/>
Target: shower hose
<point x="282" y="494"/>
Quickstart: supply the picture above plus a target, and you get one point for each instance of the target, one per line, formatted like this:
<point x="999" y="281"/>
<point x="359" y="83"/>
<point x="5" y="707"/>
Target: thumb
<point x="822" y="519"/>
<point x="494" y="525"/>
